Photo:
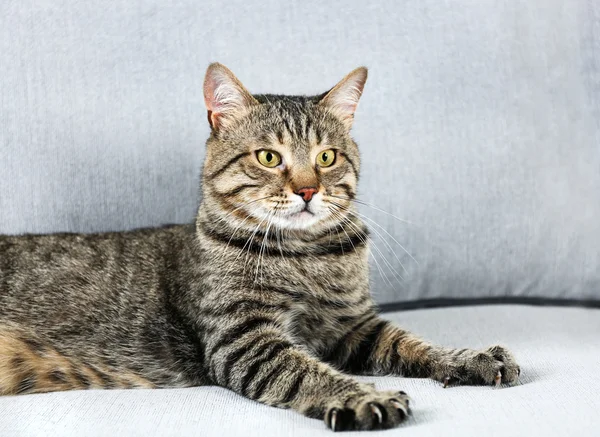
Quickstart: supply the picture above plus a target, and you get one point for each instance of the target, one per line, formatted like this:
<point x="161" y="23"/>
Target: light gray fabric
<point x="480" y="124"/>
<point x="557" y="348"/>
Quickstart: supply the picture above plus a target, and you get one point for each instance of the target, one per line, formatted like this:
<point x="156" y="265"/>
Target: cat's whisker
<point x="391" y="236"/>
<point x="223" y="218"/>
<point x="397" y="275"/>
<point x="362" y="202"/>
<point x="340" y="219"/>
<point x="237" y="228"/>
<point x="379" y="226"/>
<point x="359" y="233"/>
<point x="264" y="243"/>
<point x="387" y="263"/>
<point x="389" y="247"/>
<point x="249" y="245"/>
<point x="345" y="220"/>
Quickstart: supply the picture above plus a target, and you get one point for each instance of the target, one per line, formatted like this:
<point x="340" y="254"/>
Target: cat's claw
<point x="446" y="381"/>
<point x="498" y="379"/>
<point x="333" y="420"/>
<point x="377" y="412"/>
<point x="492" y="366"/>
<point x="365" y="411"/>
<point x="398" y="406"/>
<point x="407" y="399"/>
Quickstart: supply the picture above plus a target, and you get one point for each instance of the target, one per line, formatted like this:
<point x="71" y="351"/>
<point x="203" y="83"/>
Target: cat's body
<point x="125" y="318"/>
<point x="153" y="295"/>
<point x="268" y="302"/>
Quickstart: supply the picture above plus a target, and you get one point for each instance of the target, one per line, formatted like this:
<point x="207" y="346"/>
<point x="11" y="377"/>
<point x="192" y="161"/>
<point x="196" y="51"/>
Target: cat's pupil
<point x="269" y="157"/>
<point x="324" y="156"/>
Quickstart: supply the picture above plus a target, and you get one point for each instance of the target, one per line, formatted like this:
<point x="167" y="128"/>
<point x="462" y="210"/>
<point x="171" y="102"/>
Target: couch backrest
<point x="480" y="124"/>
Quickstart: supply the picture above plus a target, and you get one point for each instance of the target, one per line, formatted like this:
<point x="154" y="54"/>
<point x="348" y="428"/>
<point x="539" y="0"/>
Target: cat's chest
<point x="313" y="326"/>
<point x="318" y="298"/>
<point x="324" y="296"/>
<point x="319" y="322"/>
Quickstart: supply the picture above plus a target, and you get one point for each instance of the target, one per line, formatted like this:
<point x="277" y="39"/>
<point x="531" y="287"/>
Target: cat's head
<point x="283" y="161"/>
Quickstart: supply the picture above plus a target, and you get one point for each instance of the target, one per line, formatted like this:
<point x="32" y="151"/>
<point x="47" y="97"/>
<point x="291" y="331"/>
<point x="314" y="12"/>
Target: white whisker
<point x="362" y="202"/>
<point x="240" y="207"/>
<point x="379" y="226"/>
<point x="389" y="247"/>
<point x="360" y="235"/>
<point x="263" y="244"/>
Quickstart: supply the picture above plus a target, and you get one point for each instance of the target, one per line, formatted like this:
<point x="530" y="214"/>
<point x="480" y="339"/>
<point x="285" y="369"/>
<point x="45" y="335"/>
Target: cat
<point x="266" y="293"/>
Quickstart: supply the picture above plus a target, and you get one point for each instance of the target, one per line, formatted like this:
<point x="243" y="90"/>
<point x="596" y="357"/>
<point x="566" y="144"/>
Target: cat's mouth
<point x="304" y="211"/>
<point x="300" y="215"/>
<point x="304" y="214"/>
<point x="302" y="218"/>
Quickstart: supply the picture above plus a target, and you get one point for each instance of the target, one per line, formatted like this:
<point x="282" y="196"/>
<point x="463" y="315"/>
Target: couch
<point x="479" y="132"/>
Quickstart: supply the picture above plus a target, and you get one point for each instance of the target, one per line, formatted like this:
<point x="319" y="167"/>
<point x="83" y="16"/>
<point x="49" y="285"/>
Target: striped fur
<point x="265" y="294"/>
<point x="34" y="366"/>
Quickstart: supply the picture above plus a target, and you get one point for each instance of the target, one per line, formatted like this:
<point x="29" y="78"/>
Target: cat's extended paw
<point x="492" y="366"/>
<point x="375" y="410"/>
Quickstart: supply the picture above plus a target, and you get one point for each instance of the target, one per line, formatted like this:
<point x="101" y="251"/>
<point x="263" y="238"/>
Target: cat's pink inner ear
<point x="224" y="95"/>
<point x="343" y="98"/>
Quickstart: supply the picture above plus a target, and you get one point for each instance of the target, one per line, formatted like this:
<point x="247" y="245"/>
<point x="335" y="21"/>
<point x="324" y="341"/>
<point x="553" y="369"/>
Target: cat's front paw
<point x="492" y="366"/>
<point x="375" y="410"/>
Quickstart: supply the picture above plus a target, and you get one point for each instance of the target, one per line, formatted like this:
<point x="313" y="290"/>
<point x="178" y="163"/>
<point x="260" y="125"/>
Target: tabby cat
<point x="266" y="293"/>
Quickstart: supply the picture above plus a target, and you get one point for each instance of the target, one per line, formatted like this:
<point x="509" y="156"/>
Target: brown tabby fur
<point x="254" y="296"/>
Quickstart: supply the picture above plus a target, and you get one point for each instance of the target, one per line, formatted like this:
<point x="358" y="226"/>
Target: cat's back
<point x="38" y="253"/>
<point x="76" y="272"/>
<point x="97" y="304"/>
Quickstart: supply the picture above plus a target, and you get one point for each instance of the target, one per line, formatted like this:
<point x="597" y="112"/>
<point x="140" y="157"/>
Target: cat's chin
<point x="302" y="216"/>
<point x="297" y="221"/>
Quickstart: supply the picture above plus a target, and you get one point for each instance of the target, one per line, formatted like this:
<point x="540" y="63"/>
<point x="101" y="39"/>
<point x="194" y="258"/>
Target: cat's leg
<point x="256" y="361"/>
<point x="377" y="347"/>
<point x="29" y="364"/>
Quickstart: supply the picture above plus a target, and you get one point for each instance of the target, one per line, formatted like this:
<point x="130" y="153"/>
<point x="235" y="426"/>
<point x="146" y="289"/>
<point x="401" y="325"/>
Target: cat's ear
<point x="225" y="96"/>
<point x="343" y="98"/>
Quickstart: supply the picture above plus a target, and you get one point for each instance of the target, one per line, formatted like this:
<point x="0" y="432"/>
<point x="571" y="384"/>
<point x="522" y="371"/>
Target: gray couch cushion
<point x="557" y="348"/>
<point x="479" y="124"/>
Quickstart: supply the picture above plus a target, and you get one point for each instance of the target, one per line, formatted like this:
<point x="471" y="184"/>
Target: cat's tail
<point x="30" y="365"/>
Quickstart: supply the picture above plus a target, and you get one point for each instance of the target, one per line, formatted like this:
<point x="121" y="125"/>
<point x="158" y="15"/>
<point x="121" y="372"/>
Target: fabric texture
<point x="557" y="348"/>
<point x="480" y="125"/>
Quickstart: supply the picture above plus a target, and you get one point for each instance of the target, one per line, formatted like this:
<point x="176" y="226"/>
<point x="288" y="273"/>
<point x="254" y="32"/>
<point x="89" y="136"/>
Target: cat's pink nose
<point x="306" y="193"/>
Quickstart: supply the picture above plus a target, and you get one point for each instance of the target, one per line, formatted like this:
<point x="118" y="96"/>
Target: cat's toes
<point x="377" y="410"/>
<point x="492" y="366"/>
<point x="509" y="371"/>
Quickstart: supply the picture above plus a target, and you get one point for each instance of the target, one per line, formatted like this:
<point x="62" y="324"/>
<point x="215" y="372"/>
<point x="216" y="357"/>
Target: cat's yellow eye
<point x="326" y="158"/>
<point x="269" y="158"/>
